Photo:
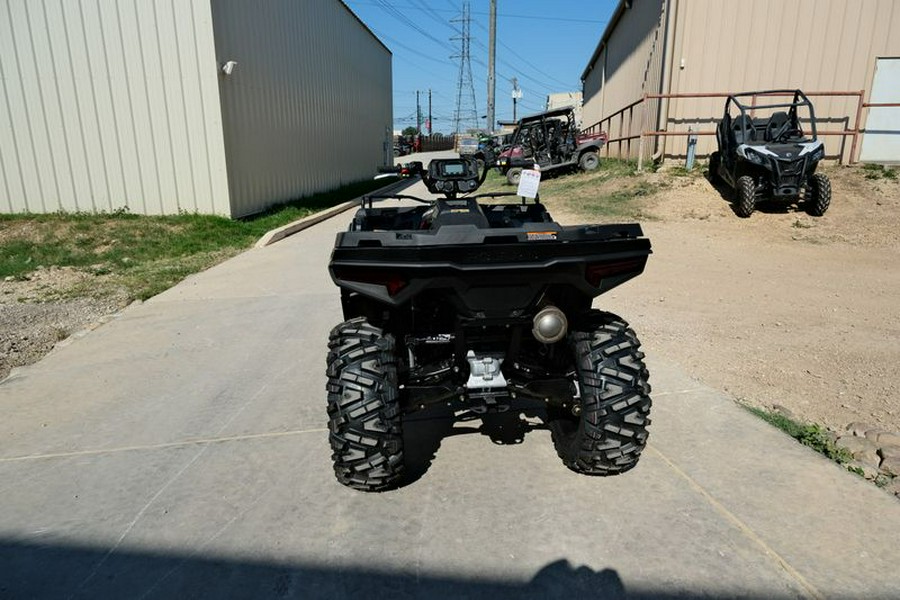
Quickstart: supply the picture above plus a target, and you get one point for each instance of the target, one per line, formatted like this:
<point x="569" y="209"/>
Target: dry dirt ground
<point x="47" y="307"/>
<point x="779" y="310"/>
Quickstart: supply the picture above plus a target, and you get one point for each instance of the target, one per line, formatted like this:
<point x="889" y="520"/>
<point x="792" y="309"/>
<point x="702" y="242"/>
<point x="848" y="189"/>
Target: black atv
<point x="480" y="309"/>
<point x="770" y="156"/>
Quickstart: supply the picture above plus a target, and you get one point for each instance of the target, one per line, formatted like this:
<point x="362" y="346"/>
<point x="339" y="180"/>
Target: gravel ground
<point x="49" y="306"/>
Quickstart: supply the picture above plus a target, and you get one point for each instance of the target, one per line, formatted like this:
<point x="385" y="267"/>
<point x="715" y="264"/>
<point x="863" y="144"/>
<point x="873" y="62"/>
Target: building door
<point x="881" y="141"/>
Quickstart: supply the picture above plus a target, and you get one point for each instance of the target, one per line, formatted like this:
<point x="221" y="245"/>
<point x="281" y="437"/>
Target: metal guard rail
<point x="644" y="133"/>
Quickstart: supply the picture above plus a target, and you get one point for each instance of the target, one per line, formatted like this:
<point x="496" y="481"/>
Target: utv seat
<point x="759" y="127"/>
<point x="453" y="215"/>
<point x="777" y="124"/>
<point x="740" y="125"/>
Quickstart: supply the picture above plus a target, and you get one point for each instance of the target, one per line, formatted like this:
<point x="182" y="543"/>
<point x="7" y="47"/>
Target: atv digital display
<point x="453" y="168"/>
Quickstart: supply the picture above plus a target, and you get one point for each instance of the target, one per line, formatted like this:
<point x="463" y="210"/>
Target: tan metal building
<point x="707" y="46"/>
<point x="210" y="106"/>
<point x="564" y="99"/>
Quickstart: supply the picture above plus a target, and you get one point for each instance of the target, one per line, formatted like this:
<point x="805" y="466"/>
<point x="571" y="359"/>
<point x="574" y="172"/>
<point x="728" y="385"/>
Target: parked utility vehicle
<point x="552" y="141"/>
<point x="482" y="307"/>
<point x="764" y="151"/>
<point x="483" y="149"/>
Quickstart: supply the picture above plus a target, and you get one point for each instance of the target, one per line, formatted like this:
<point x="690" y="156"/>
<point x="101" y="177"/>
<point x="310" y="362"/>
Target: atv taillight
<point x="394" y="285"/>
<point x="595" y="273"/>
<point x="391" y="280"/>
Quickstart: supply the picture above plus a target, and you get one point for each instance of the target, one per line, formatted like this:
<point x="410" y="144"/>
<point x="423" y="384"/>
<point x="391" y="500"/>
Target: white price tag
<point x="529" y="183"/>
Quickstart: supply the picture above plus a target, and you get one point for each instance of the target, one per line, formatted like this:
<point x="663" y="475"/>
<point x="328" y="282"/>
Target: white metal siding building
<point x="112" y="104"/>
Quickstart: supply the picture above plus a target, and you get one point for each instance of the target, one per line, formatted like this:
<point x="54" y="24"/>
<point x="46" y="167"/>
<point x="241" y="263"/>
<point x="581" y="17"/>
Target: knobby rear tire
<point x="589" y="161"/>
<point x="819" y="199"/>
<point x="364" y="417"/>
<point x="607" y="438"/>
<point x="746" y="196"/>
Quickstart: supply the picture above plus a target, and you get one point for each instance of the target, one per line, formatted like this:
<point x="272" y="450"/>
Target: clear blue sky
<point x="545" y="44"/>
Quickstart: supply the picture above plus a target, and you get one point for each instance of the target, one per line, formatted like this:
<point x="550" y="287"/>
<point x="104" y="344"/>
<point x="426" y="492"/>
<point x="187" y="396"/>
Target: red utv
<point x="552" y="141"/>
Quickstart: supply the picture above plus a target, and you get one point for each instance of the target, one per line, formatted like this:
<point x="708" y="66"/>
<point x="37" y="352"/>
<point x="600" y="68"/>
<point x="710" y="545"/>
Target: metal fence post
<point x="859" y="109"/>
<point x="640" y="165"/>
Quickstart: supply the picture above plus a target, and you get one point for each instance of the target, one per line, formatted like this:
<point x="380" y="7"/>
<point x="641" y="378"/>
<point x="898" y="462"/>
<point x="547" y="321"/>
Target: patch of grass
<point x="617" y="204"/>
<point x="873" y="171"/>
<point x="811" y="435"/>
<point x="614" y="190"/>
<point x="617" y="167"/>
<point x="883" y="480"/>
<point x="681" y="171"/>
<point x="857" y="471"/>
<point x="145" y="254"/>
<point x="495" y="182"/>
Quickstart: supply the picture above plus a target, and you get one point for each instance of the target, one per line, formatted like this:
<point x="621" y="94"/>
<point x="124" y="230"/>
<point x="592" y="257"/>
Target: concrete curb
<point x="284" y="231"/>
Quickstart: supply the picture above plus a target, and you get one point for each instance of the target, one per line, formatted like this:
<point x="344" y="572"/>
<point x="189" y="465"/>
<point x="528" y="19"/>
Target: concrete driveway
<point x="181" y="451"/>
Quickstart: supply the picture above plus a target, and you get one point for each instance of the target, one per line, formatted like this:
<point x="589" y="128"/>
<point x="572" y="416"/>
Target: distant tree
<point x="410" y="130"/>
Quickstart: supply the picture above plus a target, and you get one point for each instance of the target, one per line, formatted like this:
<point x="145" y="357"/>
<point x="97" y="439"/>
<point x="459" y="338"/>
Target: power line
<point x="522" y="59"/>
<point x="391" y="10"/>
<point x="431" y="14"/>
<point x="417" y="52"/>
<point x="454" y="9"/>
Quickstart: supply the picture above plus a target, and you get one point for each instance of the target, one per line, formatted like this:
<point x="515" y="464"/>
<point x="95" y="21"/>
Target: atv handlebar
<point x="446" y="176"/>
<point x="396" y="197"/>
<point x="452" y="176"/>
<point x="367" y="201"/>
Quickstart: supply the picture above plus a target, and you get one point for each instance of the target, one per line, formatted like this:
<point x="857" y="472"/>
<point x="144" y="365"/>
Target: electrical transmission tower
<point x="466" y="116"/>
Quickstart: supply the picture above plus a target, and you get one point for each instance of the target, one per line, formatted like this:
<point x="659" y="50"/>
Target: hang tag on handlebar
<point x="529" y="182"/>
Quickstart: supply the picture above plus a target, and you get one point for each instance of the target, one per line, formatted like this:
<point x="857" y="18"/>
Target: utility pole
<point x="492" y="58"/>
<point x="418" y="115"/>
<point x="429" y="111"/>
<point x="516" y="94"/>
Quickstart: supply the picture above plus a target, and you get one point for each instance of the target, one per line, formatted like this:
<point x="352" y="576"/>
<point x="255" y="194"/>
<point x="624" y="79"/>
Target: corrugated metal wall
<point x="109" y="104"/>
<point x="816" y="45"/>
<point x="739" y="45"/>
<point x="309" y="105"/>
<point x="628" y="66"/>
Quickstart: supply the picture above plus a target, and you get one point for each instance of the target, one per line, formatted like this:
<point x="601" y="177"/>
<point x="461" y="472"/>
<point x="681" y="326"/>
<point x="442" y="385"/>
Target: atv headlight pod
<point x="815" y="150"/>
<point x="818" y="153"/>
<point x="752" y="155"/>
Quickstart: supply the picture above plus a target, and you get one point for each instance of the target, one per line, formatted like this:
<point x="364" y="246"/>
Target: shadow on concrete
<point x="37" y="572"/>
<point x="422" y="436"/>
<point x="424" y="431"/>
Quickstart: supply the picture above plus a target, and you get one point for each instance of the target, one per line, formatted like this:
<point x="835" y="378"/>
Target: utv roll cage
<point x="546" y="131"/>
<point x="748" y="130"/>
